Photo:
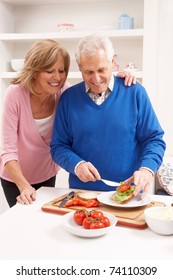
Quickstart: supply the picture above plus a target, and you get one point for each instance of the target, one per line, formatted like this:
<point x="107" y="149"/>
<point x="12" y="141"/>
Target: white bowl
<point x="160" y="219"/>
<point x="65" y="27"/>
<point x="17" y="64"/>
<point x="70" y="225"/>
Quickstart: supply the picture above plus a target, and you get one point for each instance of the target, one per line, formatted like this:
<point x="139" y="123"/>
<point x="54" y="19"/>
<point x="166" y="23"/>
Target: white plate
<point x="106" y="198"/>
<point x="70" y="225"/>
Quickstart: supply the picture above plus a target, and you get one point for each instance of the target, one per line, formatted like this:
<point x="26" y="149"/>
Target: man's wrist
<point x="78" y="165"/>
<point x="146" y="168"/>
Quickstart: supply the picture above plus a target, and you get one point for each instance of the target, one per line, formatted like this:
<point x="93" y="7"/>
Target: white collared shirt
<point x="100" y="98"/>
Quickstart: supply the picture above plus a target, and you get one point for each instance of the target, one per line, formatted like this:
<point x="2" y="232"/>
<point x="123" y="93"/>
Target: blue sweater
<point x="117" y="137"/>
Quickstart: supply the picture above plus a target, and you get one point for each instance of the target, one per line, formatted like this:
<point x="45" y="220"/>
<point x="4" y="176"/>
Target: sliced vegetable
<point x="124" y="187"/>
<point x="75" y="202"/>
<point x="79" y="202"/>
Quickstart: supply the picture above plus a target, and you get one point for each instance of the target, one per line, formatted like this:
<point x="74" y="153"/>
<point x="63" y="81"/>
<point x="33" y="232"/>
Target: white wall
<point x="158" y="78"/>
<point x="165" y="71"/>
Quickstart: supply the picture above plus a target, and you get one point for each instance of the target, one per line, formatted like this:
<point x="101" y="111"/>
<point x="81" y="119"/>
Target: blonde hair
<point x="41" y="56"/>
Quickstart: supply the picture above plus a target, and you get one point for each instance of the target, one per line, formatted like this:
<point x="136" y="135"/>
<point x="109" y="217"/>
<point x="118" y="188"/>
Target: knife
<point x="68" y="196"/>
<point x="110" y="183"/>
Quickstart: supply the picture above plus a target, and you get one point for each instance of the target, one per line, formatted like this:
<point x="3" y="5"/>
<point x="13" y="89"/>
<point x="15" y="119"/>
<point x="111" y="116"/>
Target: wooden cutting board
<point x="129" y="217"/>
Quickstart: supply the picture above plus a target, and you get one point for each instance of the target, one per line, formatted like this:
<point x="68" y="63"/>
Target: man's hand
<point x="87" y="172"/>
<point x="142" y="179"/>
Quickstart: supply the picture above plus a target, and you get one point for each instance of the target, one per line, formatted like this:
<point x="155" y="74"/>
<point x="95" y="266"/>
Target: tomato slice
<point x="92" y="203"/>
<point x="75" y="202"/>
<point x="79" y="202"/>
<point x="124" y="187"/>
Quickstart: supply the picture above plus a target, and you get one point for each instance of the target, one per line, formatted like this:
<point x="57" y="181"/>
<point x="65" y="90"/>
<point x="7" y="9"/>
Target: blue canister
<point x="126" y="22"/>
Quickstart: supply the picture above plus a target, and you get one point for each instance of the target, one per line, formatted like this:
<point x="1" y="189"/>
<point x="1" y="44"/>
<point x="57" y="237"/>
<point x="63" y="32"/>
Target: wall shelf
<point x="70" y="35"/>
<point x="71" y="75"/>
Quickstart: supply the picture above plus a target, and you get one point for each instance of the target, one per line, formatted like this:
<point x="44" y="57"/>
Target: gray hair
<point x="89" y="46"/>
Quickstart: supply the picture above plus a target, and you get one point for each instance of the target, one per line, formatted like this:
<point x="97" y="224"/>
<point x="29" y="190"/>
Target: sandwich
<point x="124" y="193"/>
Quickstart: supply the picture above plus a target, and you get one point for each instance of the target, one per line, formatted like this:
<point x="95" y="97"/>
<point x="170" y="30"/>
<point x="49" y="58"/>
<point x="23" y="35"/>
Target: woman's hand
<point x="129" y="78"/>
<point x="27" y="195"/>
<point x="27" y="192"/>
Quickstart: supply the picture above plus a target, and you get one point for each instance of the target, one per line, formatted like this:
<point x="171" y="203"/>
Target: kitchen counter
<point x="26" y="232"/>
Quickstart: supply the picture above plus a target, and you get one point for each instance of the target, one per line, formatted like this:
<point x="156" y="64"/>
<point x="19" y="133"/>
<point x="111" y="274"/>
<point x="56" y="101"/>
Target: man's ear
<point x="79" y="66"/>
<point x="114" y="61"/>
<point x="115" y="65"/>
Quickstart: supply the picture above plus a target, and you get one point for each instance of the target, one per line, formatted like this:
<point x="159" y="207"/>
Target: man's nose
<point x="96" y="77"/>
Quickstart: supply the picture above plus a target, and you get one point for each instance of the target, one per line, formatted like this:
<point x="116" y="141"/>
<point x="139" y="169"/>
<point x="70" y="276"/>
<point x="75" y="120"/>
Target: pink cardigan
<point x="21" y="140"/>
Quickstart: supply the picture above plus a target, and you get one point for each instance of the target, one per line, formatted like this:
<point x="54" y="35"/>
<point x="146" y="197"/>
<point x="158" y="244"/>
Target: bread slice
<point x="124" y="193"/>
<point x="122" y="201"/>
<point x="87" y="195"/>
